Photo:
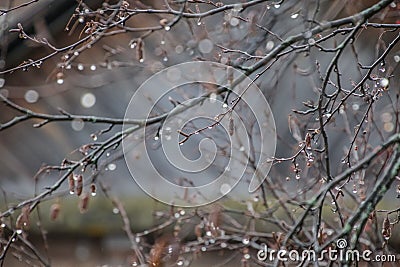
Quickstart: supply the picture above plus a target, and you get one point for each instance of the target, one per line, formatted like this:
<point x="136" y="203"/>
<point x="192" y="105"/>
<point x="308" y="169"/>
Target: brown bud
<point x="54" y="211"/>
<point x="79" y="184"/>
<point x="84" y="203"/>
<point x="22" y="221"/>
<point x="71" y="182"/>
<point x="386" y="229"/>
<point x="231" y="126"/>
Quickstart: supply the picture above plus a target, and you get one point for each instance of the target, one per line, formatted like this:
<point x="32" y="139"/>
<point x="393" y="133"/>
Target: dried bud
<point x="22" y="221"/>
<point x="84" y="203"/>
<point x="308" y="141"/>
<point x="231" y="126"/>
<point x="386" y="229"/>
<point x="71" y="182"/>
<point x="79" y="184"/>
<point x="198" y="230"/>
<point x="54" y="211"/>
<point x="93" y="189"/>
<point x="140" y="50"/>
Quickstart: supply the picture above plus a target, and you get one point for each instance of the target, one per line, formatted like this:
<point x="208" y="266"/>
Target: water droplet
<point x="77" y="125"/>
<point x="234" y="22"/>
<point x="68" y="67"/>
<point x="112" y="166"/>
<point x="80" y="67"/>
<point x="246" y="241"/>
<point x="3" y="225"/>
<point x="60" y="81"/>
<point x="162" y="42"/>
<point x="203" y="249"/>
<point x="94" y="137"/>
<point x="108" y="154"/>
<point x="31" y="96"/>
<point x="88" y="100"/>
<point x="213" y="97"/>
<point x="179" y="262"/>
<point x="241" y="149"/>
<point x="71" y="192"/>
<point x="165" y="59"/>
<point x="93" y="67"/>
<point x="277" y="6"/>
<point x="19" y="231"/>
<point x="311" y="41"/>
<point x="2" y="82"/>
<point x="156" y="138"/>
<point x="384" y="82"/>
<point x="246" y="256"/>
<point x="179" y="49"/>
<point x="115" y="210"/>
<point x="167" y="28"/>
<point x="225" y="105"/>
<point x="396" y="58"/>
<point x="355" y="106"/>
<point x="141" y="60"/>
<point x="182" y="212"/>
<point x="81" y="20"/>
<point x="205" y="46"/>
<point x="76" y="53"/>
<point x="93" y="194"/>
<point x="294" y="15"/>
<point x="307" y="34"/>
<point x="199" y="23"/>
<point x="354" y="189"/>
<point x="223" y="245"/>
<point x="269" y="45"/>
<point x="297" y="176"/>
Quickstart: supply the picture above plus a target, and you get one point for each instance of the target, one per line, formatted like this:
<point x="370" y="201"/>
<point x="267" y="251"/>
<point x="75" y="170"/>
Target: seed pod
<point x="140" y="50"/>
<point x="386" y="229"/>
<point x="79" y="184"/>
<point x="84" y="203"/>
<point x="231" y="126"/>
<point x="71" y="182"/>
<point x="22" y="221"/>
<point x="54" y="211"/>
<point x="93" y="189"/>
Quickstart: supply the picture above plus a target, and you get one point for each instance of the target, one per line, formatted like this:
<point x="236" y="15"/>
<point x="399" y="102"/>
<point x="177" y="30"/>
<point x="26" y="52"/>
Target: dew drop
<point x="80" y="67"/>
<point x="115" y="210"/>
<point x="165" y="59"/>
<point x="19" y="231"/>
<point x="112" y="166"/>
<point x="167" y="28"/>
<point x="93" y="67"/>
<point x="396" y="58"/>
<point x="269" y="45"/>
<point x="294" y="15"/>
<point x="2" y="82"/>
<point x="88" y="100"/>
<point x="246" y="256"/>
<point x="60" y="81"/>
<point x="277" y="6"/>
<point x="156" y="138"/>
<point x="3" y="225"/>
<point x="246" y="241"/>
<point x="31" y="96"/>
<point x="213" y="97"/>
<point x="384" y="82"/>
